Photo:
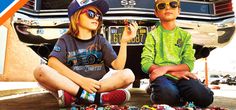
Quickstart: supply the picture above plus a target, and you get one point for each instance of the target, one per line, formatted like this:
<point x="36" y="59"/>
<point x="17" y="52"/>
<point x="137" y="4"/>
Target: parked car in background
<point x="215" y="79"/>
<point x="231" y="81"/>
<point x="211" y="22"/>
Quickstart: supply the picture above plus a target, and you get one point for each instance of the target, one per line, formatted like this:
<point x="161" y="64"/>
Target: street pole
<point x="206" y="72"/>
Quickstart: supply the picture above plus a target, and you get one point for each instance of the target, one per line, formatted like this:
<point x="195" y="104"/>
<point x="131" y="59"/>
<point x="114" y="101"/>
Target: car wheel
<point x="91" y="59"/>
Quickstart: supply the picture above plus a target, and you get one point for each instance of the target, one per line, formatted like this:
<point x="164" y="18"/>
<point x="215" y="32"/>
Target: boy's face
<point x="90" y="18"/>
<point x="167" y="10"/>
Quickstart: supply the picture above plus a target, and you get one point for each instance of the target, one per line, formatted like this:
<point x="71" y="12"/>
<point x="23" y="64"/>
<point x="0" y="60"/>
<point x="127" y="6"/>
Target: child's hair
<point x="73" y="26"/>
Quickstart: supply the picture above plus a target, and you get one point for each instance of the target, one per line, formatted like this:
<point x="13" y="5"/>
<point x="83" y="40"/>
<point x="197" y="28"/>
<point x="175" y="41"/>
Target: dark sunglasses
<point x="172" y="4"/>
<point x="91" y="14"/>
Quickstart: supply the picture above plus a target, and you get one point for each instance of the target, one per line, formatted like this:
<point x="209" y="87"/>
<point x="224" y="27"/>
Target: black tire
<point x="91" y="59"/>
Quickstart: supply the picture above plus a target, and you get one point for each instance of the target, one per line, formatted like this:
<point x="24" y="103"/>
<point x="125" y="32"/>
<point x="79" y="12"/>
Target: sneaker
<point x="65" y="99"/>
<point x="116" y="97"/>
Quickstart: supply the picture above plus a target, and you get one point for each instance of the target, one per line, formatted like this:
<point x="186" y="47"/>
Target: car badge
<point x="128" y="3"/>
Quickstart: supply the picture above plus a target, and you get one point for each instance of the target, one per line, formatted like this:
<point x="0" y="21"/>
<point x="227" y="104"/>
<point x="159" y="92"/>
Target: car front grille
<point x="54" y="4"/>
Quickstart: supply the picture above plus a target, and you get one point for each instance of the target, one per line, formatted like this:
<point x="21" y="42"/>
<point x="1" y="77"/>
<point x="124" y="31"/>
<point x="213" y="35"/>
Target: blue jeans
<point x="176" y="93"/>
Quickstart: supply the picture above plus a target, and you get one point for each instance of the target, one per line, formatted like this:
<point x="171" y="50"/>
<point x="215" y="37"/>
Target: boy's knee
<point x="128" y="76"/>
<point x="204" y="100"/>
<point x="39" y="72"/>
<point x="198" y="93"/>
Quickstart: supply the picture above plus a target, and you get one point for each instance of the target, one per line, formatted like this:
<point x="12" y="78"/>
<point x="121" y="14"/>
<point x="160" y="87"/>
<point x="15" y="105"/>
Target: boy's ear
<point x="179" y="11"/>
<point x="155" y="12"/>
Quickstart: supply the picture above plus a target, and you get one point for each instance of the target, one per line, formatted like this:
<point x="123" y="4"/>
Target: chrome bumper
<point x="207" y="34"/>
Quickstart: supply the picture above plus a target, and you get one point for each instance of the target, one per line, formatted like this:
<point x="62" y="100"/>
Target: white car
<point x="212" y="79"/>
<point x="215" y="79"/>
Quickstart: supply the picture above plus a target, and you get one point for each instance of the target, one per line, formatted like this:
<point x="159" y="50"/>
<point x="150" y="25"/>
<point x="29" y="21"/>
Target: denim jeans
<point x="177" y="93"/>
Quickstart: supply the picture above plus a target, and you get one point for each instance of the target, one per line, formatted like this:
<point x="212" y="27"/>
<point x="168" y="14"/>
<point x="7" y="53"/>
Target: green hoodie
<point x="163" y="47"/>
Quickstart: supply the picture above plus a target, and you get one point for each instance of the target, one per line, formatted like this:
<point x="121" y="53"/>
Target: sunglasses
<point x="162" y="6"/>
<point x="91" y="14"/>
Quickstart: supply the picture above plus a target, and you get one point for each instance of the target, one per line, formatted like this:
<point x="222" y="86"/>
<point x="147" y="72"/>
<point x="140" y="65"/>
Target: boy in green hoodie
<point x="168" y="58"/>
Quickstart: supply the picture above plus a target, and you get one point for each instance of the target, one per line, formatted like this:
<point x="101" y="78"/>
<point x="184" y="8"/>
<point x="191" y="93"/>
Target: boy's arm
<point x="119" y="62"/>
<point x="147" y="56"/>
<point x="168" y="71"/>
<point x="128" y="34"/>
<point x="174" y="72"/>
<point x="180" y="67"/>
<point x="188" y="53"/>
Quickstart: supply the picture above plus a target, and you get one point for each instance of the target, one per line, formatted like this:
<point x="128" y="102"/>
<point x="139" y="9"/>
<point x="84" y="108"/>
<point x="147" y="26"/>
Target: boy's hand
<point x="130" y="32"/>
<point x="90" y="85"/>
<point x="160" y="71"/>
<point x="184" y="75"/>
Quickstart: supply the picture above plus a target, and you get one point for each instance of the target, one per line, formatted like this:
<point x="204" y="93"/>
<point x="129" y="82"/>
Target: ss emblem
<point x="128" y="3"/>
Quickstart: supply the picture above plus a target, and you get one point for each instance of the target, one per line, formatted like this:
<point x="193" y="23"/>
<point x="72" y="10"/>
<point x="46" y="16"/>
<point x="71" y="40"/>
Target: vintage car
<point x="211" y="22"/>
